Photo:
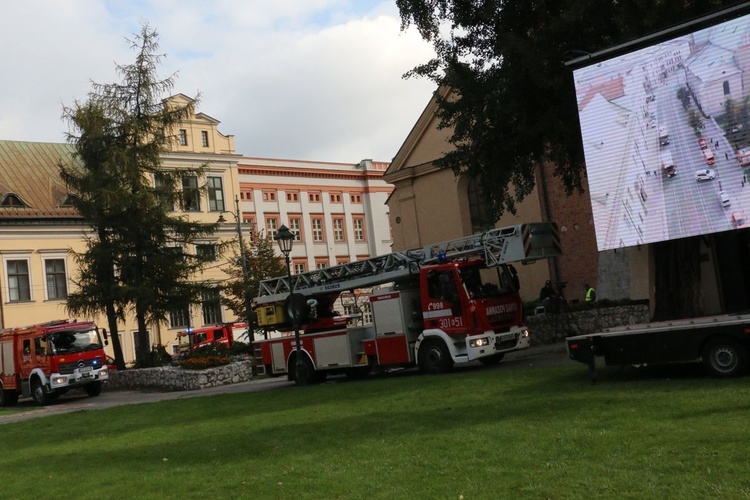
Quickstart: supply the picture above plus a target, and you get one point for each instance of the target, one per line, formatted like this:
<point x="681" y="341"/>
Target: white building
<point x="337" y="210"/>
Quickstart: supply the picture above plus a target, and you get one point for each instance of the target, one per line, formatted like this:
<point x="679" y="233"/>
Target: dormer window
<point x="12" y="200"/>
<point x="69" y="201"/>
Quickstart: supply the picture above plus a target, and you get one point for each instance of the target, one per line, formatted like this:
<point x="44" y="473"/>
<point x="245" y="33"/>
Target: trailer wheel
<point x="94" y="389"/>
<point x="434" y="357"/>
<point x="8" y="397"/>
<point x="725" y="357"/>
<point x="40" y="393"/>
<point x="492" y="360"/>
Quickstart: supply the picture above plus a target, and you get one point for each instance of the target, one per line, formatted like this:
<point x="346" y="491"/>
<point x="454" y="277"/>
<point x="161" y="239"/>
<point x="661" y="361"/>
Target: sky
<point x="317" y="80"/>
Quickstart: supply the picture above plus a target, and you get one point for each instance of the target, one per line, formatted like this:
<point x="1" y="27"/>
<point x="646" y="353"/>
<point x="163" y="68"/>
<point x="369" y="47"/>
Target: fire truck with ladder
<point x="223" y="333"/>
<point x="47" y="360"/>
<point x="441" y="307"/>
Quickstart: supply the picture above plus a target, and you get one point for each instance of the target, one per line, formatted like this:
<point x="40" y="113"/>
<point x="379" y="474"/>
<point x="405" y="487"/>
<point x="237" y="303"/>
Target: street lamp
<point x="285" y="239"/>
<point x="243" y="258"/>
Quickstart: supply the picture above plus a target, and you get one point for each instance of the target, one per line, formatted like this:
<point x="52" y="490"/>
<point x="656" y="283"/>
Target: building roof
<point x="29" y="171"/>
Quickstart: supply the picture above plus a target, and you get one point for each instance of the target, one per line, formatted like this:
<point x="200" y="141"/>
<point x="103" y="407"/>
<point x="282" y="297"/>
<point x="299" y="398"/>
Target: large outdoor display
<point x="666" y="137"/>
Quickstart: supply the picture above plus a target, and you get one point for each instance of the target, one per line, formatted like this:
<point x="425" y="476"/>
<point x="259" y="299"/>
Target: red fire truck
<point x="452" y="302"/>
<point x="224" y="333"/>
<point x="47" y="360"/>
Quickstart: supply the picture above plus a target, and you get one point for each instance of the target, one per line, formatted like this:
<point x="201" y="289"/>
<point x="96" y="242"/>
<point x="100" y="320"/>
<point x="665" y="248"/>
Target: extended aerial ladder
<point x="523" y="243"/>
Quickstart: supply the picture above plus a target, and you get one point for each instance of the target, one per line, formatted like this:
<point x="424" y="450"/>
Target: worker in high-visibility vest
<point x="590" y="293"/>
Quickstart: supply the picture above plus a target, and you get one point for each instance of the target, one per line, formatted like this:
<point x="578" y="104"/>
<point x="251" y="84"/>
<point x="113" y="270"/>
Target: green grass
<point x="490" y="433"/>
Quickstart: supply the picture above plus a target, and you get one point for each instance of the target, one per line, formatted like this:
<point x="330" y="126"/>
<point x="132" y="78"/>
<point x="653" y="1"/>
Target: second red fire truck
<point x="46" y="360"/>
<point x="442" y="307"/>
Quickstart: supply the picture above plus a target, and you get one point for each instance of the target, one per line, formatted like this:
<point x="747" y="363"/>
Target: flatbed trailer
<point x="721" y="342"/>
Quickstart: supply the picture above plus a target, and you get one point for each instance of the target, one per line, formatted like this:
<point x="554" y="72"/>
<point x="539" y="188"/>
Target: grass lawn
<point x="484" y="433"/>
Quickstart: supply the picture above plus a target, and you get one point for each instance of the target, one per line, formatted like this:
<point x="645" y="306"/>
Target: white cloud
<point x="303" y="79"/>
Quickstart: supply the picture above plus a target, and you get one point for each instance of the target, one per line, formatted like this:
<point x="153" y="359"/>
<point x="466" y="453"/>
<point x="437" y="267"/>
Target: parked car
<point x="705" y="174"/>
<point x="702" y="143"/>
<point x="724" y="198"/>
<point x="738" y="219"/>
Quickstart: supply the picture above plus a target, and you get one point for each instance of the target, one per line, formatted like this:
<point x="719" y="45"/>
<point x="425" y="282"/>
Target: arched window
<point x="726" y="88"/>
<point x="478" y="207"/>
<point x="12" y="200"/>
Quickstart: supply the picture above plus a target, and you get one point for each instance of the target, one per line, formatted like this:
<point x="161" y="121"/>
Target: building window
<point x="246" y="195"/>
<point x="18" y="280"/>
<point x="317" y="229"/>
<point x="269" y="195"/>
<point x="191" y="201"/>
<point x="292" y="196"/>
<point x="206" y="252"/>
<point x="478" y="208"/>
<point x="57" y="282"/>
<point x="161" y="188"/>
<point x="12" y="200"/>
<point x="355" y="197"/>
<point x="183" y="137"/>
<point x="342" y="260"/>
<point x="272" y="226"/>
<point x="321" y="264"/>
<point x="314" y="196"/>
<point x="335" y="197"/>
<point x="359" y="228"/>
<point x="211" y="305"/>
<point x="338" y="229"/>
<point x="179" y="317"/>
<point x="367" y="313"/>
<point x="300" y="266"/>
<point x="204" y="138"/>
<point x="295" y="226"/>
<point x="215" y="194"/>
<point x="726" y="88"/>
<point x="249" y="220"/>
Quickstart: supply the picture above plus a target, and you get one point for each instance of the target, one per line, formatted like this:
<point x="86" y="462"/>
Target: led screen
<point x="666" y="137"/>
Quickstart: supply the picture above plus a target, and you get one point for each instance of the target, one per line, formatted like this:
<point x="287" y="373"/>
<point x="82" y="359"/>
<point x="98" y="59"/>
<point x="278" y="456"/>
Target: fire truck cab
<point x="47" y="360"/>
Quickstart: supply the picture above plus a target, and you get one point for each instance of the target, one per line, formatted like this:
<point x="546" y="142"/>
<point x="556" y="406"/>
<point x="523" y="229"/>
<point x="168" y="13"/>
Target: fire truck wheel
<point x="434" y="357"/>
<point x="725" y="357"/>
<point x="39" y="393"/>
<point x="309" y="372"/>
<point x="8" y="398"/>
<point x="94" y="389"/>
<point x="492" y="360"/>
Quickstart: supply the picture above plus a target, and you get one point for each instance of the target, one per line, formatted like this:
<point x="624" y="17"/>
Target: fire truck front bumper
<point x="491" y="343"/>
<point x="78" y="377"/>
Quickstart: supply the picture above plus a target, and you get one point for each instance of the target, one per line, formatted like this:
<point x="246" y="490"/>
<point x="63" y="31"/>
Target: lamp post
<point x="285" y="239"/>
<point x="243" y="258"/>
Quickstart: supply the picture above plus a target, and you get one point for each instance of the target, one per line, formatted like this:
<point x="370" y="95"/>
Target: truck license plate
<point x="86" y="371"/>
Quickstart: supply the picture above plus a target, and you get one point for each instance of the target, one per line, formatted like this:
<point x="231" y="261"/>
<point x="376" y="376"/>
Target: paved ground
<point x="538" y="356"/>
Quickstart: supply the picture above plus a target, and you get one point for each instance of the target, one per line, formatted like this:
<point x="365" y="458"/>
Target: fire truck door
<point x="40" y="353"/>
<point x="277" y="355"/>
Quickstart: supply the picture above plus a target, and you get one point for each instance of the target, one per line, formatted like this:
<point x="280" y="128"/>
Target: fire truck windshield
<point x="75" y="341"/>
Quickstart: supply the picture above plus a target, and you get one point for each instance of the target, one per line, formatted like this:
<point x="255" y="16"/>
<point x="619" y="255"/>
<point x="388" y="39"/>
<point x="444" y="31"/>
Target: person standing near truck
<point x="590" y="293"/>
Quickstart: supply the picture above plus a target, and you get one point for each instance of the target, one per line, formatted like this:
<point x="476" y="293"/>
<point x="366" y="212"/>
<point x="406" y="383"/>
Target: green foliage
<point x="511" y="104"/>
<point x="157" y="356"/>
<point x="262" y="263"/>
<point x="139" y="260"/>
<point x="538" y="432"/>
<point x="240" y="349"/>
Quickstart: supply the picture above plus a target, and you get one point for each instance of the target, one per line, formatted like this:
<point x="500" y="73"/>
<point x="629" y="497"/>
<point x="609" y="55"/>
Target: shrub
<point x="157" y="356"/>
<point x="207" y="356"/>
<point x="204" y="362"/>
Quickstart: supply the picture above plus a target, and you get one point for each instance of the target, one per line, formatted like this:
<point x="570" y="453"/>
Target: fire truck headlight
<point x="59" y="380"/>
<point x="479" y="342"/>
<point x="525" y="334"/>
<point x="103" y="373"/>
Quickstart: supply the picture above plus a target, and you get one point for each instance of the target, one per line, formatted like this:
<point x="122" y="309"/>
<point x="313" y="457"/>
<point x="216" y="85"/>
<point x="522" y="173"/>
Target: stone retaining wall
<point x="549" y="328"/>
<point x="171" y="378"/>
